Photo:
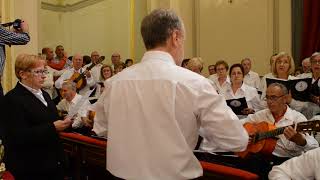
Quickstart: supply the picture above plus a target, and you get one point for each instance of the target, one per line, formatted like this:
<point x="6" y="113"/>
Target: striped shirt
<point x="10" y="38"/>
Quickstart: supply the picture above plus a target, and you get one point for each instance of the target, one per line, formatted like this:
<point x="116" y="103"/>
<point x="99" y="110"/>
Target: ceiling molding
<point x="68" y="7"/>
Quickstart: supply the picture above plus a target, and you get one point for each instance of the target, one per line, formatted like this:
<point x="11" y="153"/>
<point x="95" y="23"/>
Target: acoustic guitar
<point x="79" y="78"/>
<point x="263" y="138"/>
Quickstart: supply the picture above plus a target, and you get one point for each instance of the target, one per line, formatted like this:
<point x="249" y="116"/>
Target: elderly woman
<point x="282" y="67"/>
<point x="29" y="124"/>
<point x="221" y="81"/>
<point x="238" y="89"/>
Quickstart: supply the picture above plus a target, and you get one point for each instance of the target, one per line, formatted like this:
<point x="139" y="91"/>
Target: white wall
<point x="103" y="27"/>
<point x="216" y="29"/>
<point x="232" y="31"/>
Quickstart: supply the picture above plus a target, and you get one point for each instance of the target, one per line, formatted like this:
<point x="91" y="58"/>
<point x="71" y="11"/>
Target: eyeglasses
<point x="272" y="98"/>
<point x="315" y="62"/>
<point x="39" y="72"/>
<point x="220" y="69"/>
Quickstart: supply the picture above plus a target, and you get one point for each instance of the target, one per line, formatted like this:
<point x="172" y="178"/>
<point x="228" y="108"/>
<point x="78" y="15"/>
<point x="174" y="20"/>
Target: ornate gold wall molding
<point x="69" y="7"/>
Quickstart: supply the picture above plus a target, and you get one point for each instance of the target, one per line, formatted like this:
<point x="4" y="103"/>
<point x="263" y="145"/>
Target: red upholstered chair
<point x="84" y="139"/>
<point x="217" y="171"/>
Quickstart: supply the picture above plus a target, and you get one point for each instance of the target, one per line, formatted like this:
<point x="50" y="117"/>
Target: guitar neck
<point x="306" y="126"/>
<point x="269" y="134"/>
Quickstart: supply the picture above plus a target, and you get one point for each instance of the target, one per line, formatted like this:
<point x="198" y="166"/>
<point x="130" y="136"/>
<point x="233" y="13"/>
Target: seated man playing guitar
<point x="77" y="74"/>
<point x="291" y="143"/>
<point x="263" y="152"/>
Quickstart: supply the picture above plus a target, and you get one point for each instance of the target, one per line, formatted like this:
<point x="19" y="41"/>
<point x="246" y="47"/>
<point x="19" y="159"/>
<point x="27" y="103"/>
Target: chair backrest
<point x="83" y="139"/>
<point x="217" y="171"/>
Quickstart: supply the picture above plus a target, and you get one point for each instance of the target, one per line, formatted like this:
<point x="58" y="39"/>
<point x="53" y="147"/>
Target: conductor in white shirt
<point x="153" y="110"/>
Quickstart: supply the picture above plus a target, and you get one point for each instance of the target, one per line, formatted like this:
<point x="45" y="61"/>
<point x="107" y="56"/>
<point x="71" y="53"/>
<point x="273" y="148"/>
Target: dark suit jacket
<point x="31" y="142"/>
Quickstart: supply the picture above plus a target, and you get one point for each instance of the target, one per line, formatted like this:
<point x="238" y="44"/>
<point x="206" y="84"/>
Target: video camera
<point x="16" y="24"/>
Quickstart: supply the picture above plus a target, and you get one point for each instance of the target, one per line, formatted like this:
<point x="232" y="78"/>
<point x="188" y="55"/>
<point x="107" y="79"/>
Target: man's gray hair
<point x="281" y="86"/>
<point x="314" y="55"/>
<point x="157" y="27"/>
<point x="245" y="59"/>
<point x="70" y="85"/>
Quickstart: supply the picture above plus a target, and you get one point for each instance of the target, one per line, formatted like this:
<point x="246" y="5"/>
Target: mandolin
<point x="79" y="78"/>
<point x="263" y="138"/>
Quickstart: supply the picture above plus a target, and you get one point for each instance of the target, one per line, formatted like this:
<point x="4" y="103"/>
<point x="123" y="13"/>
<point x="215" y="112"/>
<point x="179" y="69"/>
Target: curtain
<point x="311" y="28"/>
<point x="297" y="24"/>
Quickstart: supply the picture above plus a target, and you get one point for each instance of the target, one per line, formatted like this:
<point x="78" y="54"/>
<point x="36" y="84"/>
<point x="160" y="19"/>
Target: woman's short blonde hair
<point x="26" y="62"/>
<point x="195" y="62"/>
<point x="291" y="63"/>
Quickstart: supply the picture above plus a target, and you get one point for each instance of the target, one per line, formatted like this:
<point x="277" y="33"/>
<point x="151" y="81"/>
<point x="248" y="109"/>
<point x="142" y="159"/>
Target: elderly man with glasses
<point x="291" y="143"/>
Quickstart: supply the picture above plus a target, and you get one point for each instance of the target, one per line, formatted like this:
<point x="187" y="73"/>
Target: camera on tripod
<point x="16" y="24"/>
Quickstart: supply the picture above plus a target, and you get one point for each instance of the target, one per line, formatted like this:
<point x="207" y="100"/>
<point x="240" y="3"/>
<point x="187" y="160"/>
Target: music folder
<point x="299" y="88"/>
<point x="237" y="105"/>
<point x="315" y="88"/>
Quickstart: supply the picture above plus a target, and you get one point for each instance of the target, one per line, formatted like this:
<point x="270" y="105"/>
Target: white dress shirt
<point x="65" y="105"/>
<point x="223" y="86"/>
<point x="284" y="147"/>
<point x="95" y="71"/>
<point x="37" y="93"/>
<point x="48" y="84"/>
<point x="304" y="167"/>
<point x="253" y="102"/>
<point x="67" y="74"/>
<point x="212" y="77"/>
<point x="152" y="112"/>
<point x="252" y="79"/>
<point x="304" y="75"/>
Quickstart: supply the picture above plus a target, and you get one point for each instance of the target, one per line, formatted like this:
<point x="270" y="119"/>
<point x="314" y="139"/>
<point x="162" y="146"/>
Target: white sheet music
<point x="74" y="110"/>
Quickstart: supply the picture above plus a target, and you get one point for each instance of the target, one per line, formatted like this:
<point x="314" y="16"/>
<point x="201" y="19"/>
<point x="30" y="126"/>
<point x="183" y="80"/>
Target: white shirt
<point x="152" y="112"/>
<point x="223" y="86"/>
<point x="250" y="93"/>
<point x="67" y="74"/>
<point x="252" y="79"/>
<point x="304" y="167"/>
<point x="37" y="93"/>
<point x="65" y="105"/>
<point x="95" y="71"/>
<point x="48" y="82"/>
<point x="284" y="147"/>
<point x="304" y="75"/>
<point x="212" y="77"/>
